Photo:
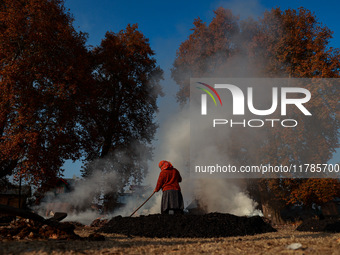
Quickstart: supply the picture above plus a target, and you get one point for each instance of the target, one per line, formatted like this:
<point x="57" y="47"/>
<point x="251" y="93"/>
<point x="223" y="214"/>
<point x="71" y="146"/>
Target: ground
<point x="268" y="243"/>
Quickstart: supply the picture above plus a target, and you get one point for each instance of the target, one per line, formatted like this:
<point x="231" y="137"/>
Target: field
<point x="268" y="243"/>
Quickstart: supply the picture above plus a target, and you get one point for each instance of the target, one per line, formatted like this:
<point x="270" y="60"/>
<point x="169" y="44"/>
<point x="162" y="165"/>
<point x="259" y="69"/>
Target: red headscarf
<point x="163" y="165"/>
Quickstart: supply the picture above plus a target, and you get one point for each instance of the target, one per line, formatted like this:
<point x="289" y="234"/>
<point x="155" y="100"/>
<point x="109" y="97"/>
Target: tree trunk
<point x="272" y="211"/>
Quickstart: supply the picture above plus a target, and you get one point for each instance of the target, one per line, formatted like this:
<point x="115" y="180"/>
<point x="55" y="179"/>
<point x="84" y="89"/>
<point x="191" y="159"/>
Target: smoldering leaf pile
<point x="32" y="230"/>
<point x="203" y="226"/>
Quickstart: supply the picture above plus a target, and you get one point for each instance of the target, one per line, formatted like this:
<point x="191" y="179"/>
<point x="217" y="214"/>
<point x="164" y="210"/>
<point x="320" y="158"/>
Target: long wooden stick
<point x="143" y="204"/>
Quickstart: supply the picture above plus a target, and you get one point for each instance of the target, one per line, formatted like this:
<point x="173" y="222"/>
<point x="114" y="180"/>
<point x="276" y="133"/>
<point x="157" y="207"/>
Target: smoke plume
<point x="79" y="202"/>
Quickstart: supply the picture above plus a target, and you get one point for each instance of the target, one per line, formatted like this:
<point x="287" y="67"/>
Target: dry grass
<point x="270" y="243"/>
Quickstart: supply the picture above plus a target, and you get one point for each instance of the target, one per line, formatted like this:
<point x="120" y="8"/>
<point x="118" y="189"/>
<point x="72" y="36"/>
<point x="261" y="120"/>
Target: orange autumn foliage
<point x="43" y="68"/>
<point x="120" y="113"/>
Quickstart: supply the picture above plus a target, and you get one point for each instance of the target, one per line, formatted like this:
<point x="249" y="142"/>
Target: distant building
<point x="14" y="195"/>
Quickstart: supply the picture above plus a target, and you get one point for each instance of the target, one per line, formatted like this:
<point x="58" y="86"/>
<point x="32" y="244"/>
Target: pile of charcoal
<point x="203" y="226"/>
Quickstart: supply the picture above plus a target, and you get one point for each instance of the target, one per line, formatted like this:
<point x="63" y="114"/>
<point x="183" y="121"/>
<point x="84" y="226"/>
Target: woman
<point x="168" y="181"/>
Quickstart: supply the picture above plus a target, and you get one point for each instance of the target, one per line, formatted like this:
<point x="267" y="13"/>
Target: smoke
<point x="80" y="200"/>
<point x="135" y="201"/>
<point x="223" y="195"/>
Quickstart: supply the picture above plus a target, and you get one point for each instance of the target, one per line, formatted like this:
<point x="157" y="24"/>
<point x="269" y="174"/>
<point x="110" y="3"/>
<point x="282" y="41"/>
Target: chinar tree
<point x="44" y="66"/>
<point x="121" y="112"/>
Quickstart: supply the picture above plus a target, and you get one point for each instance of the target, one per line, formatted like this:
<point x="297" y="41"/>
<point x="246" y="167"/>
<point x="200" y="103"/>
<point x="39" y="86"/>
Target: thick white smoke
<point x="77" y="203"/>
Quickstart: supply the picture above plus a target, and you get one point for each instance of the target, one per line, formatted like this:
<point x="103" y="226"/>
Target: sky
<point x="167" y="24"/>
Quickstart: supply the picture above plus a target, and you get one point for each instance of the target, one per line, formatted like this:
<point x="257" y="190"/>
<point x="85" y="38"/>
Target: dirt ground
<point x="269" y="243"/>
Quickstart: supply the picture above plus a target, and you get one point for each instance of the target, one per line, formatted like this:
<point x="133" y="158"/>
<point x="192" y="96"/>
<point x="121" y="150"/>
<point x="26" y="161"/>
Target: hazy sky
<point x="168" y="23"/>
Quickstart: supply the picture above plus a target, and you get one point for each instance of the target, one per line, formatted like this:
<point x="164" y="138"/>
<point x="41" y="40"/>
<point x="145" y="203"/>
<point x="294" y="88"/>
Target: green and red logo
<point x="204" y="96"/>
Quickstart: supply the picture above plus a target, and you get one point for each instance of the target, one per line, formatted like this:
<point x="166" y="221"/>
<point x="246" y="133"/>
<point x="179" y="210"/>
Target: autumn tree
<point x="206" y="50"/>
<point x="121" y="114"/>
<point x="290" y="44"/>
<point x="44" y="67"/>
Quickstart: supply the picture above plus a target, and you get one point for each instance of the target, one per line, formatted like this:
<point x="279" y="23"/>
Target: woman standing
<point x="168" y="180"/>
